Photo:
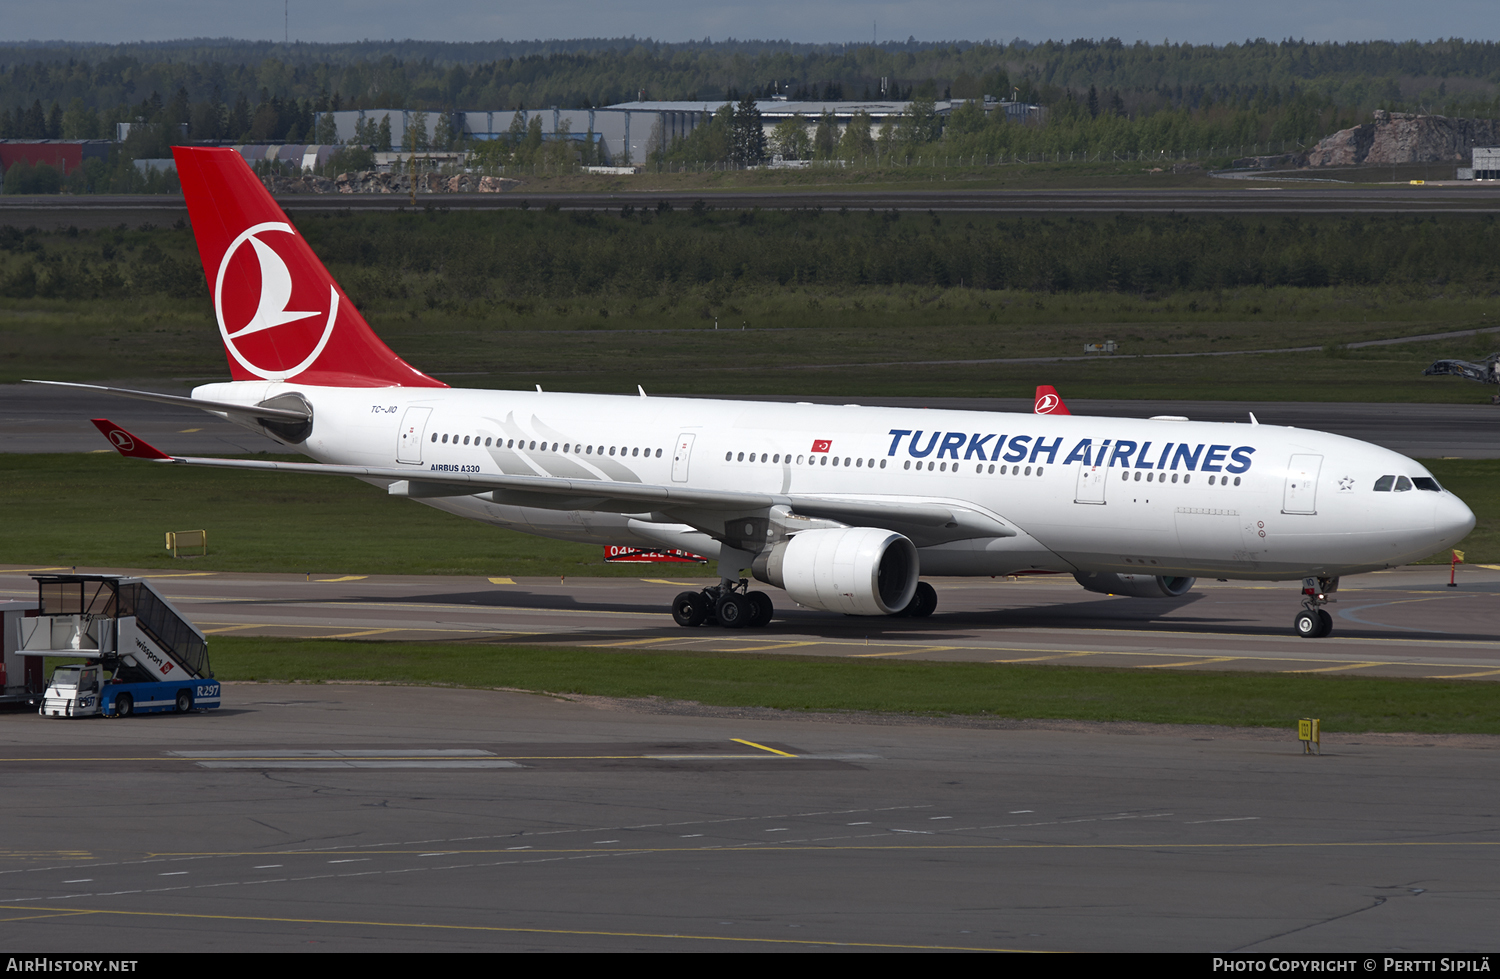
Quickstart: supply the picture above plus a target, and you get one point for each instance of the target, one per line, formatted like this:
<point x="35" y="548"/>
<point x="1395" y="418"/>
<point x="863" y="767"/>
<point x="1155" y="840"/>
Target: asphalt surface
<point x="384" y="819"/>
<point x="1401" y="623"/>
<point x="1296" y="194"/>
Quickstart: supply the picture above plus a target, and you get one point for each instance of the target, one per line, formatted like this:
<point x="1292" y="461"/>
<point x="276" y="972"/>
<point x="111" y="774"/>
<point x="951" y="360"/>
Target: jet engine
<point x="1135" y="585"/>
<point x="854" y="570"/>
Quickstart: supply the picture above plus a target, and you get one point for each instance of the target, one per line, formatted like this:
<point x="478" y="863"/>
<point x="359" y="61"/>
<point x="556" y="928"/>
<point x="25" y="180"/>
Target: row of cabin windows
<point x="1400" y="484"/>
<point x="567" y="447"/>
<point x="1125" y="477"/>
<point x="811" y="460"/>
<point x="979" y="468"/>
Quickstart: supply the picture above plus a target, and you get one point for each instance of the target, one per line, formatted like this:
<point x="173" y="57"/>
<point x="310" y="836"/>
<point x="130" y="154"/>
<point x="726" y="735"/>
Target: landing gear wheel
<point x="689" y="609"/>
<point x="734" y="611"/>
<point x="922" y="604"/>
<point x="1307" y="624"/>
<point x="184" y="701"/>
<point x="124" y="705"/>
<point x="761" y="609"/>
<point x="1326" y="622"/>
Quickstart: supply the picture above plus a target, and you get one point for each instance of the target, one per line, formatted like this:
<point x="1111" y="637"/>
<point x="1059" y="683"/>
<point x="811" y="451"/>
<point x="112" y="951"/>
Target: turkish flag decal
<point x="822" y="445"/>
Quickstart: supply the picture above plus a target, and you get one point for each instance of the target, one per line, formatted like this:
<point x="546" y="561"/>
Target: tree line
<point x="518" y="257"/>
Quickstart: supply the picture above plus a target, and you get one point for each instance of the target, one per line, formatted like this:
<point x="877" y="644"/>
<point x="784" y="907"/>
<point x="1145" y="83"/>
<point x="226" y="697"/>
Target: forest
<point x="1102" y="95"/>
<point x="512" y="260"/>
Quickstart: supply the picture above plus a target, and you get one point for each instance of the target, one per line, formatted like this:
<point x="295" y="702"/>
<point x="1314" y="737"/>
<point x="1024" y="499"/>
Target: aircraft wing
<point x="707" y="509"/>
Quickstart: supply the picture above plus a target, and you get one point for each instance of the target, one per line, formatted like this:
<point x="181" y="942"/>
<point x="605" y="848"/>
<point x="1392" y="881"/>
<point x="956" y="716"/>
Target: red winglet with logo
<point x="281" y="316"/>
<point x="1049" y="402"/>
<point x="130" y="446"/>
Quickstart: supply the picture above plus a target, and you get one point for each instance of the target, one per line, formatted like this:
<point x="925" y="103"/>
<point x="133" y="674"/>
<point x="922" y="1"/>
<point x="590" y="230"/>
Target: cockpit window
<point x="1426" y="483"/>
<point x="1402" y="484"/>
<point x="1384" y="484"/>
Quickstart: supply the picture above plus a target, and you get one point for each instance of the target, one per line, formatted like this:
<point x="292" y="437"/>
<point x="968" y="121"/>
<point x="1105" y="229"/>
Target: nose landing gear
<point x="1314" y="622"/>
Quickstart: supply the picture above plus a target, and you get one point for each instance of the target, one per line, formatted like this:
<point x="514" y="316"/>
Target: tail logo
<point x="1047" y="403"/>
<point x="272" y="342"/>
<point x="122" y="440"/>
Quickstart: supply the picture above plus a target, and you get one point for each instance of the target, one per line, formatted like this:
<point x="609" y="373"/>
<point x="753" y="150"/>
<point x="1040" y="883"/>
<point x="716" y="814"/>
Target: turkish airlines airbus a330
<point x="843" y="507"/>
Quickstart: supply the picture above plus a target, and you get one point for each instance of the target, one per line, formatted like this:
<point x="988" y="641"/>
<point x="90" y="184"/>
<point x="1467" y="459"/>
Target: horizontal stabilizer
<point x="249" y="411"/>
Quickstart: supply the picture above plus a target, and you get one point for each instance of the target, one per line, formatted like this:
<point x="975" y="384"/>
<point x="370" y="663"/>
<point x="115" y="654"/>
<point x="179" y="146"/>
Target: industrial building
<point x="627" y="133"/>
<point x="63" y="155"/>
<point x="1486" y="163"/>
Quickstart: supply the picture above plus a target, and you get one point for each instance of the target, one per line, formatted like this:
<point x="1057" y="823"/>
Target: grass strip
<point x="921" y="688"/>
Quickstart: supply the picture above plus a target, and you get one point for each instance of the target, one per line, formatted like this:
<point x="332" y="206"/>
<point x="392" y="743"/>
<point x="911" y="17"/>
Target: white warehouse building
<point x="629" y="132"/>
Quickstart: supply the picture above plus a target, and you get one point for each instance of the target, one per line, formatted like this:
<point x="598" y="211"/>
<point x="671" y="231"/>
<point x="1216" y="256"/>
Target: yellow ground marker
<point x="636" y="642"/>
<point x="907" y="652"/>
<point x="761" y="649"/>
<point x="362" y="632"/>
<point x="502" y="581"/>
<point x="1038" y="659"/>
<point x="1196" y="662"/>
<point x="504" y="930"/>
<point x="183" y="574"/>
<point x="347" y="577"/>
<point x="784" y="754"/>
<point x="229" y="628"/>
<point x="184" y="431"/>
<point x="1462" y="676"/>
<point x="1345" y="666"/>
<point x="656" y="581"/>
<point x="39" y="570"/>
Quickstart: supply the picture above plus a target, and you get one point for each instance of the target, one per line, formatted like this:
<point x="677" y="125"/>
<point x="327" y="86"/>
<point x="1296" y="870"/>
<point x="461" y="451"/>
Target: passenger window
<point x="1402" y="484"/>
<point x="1384" y="484"/>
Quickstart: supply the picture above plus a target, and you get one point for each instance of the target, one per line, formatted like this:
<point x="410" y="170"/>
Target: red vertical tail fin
<point x="281" y="316"/>
<point x="1049" y="402"/>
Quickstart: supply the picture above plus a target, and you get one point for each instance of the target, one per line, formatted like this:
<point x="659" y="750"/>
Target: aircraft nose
<point x="1452" y="519"/>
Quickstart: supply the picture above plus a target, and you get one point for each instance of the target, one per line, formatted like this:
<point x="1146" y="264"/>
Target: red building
<point x="60" y="154"/>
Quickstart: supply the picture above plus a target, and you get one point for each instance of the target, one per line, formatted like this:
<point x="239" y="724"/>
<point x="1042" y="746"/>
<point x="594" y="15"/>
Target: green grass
<point x="1345" y="704"/>
<point x="853" y="342"/>
<point x="99" y="510"/>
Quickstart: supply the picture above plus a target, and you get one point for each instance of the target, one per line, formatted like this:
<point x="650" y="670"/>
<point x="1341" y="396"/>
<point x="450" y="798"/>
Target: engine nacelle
<point x="1135" y="585"/>
<point x="854" y="570"/>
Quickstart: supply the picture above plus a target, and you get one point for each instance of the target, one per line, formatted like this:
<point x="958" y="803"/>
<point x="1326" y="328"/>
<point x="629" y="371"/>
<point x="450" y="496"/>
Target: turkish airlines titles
<point x="1202" y="457"/>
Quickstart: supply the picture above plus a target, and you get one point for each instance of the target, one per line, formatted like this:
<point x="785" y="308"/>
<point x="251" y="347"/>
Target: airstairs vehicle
<point x="139" y="654"/>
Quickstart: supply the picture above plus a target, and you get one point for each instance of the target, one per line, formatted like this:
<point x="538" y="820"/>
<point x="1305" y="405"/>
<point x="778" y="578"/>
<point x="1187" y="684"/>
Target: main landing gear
<point x="1314" y="622"/>
<point x="730" y="603"/>
<point x="923" y="603"/>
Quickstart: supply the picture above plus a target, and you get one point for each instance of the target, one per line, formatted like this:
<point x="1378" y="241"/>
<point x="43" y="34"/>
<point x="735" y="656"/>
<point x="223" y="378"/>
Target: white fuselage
<point x="1157" y="497"/>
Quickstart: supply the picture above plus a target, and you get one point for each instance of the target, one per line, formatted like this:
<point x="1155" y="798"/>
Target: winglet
<point x="130" y="446"/>
<point x="1049" y="402"/>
